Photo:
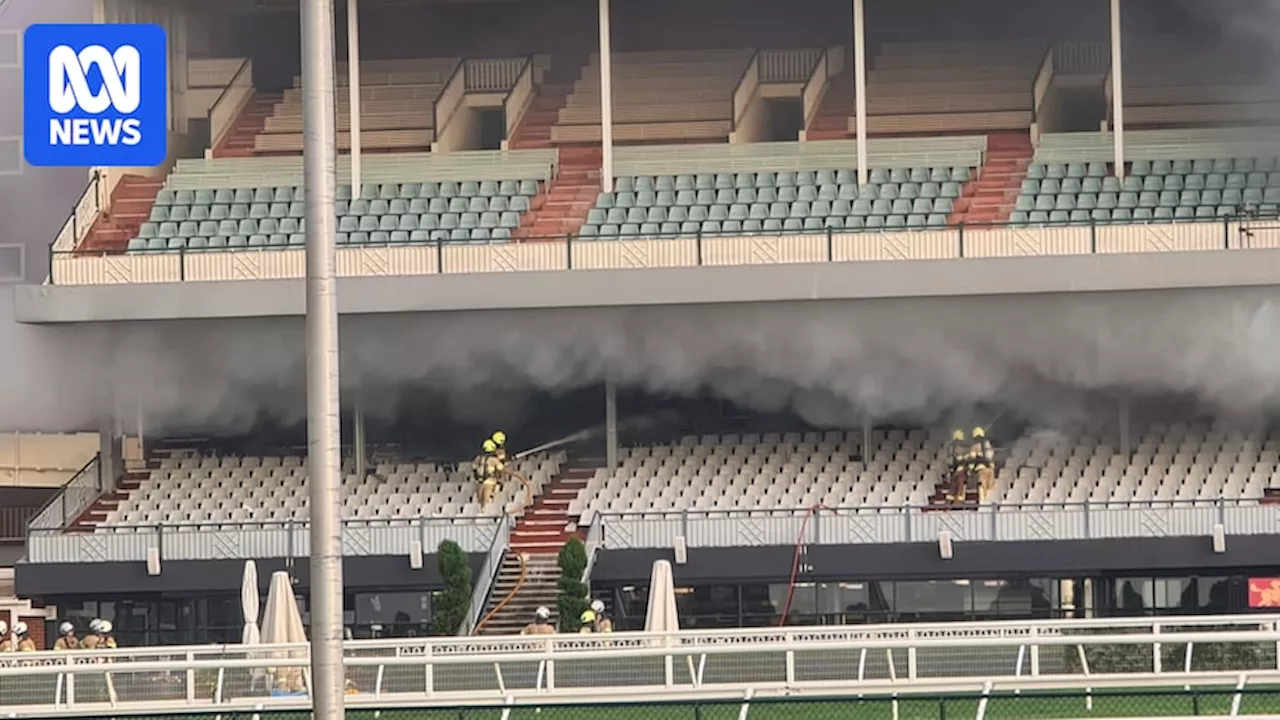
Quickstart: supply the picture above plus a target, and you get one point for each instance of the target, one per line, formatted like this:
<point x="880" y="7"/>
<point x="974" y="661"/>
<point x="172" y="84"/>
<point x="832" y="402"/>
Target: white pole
<point x="606" y="101"/>
<point x="319" y="159"/>
<point x="353" y="83"/>
<point x="860" y="89"/>
<point x="1117" y="89"/>
<point x="611" y="425"/>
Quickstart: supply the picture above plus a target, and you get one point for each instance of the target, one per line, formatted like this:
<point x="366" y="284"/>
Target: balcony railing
<point x="666" y="251"/>
<point x="906" y="524"/>
<point x="254" y="541"/>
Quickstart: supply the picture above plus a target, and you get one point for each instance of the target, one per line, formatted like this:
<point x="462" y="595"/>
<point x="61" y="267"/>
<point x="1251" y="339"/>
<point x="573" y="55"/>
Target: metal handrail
<point x="40" y="523"/>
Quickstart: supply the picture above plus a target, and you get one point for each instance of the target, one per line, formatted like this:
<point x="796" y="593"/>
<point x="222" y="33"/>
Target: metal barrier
<point x="256" y="540"/>
<point x="73" y="498"/>
<point x="1084" y="656"/>
<point x="909" y="523"/>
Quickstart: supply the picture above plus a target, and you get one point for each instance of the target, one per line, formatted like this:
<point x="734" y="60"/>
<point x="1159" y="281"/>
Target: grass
<point x="1206" y="701"/>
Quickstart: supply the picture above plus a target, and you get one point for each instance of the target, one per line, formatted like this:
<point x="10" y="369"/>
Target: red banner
<point x="1264" y="592"/>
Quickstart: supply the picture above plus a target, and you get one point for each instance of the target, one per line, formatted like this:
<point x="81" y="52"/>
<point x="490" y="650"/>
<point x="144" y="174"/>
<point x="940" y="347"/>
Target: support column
<point x="611" y="425"/>
<point x="110" y="462"/>
<point x="361" y="450"/>
<point x="606" y="100"/>
<point x="860" y="88"/>
<point x="324" y="462"/>
<point x="142" y="436"/>
<point x="1126" y="442"/>
<point x="866" y="439"/>
<point x="353" y="83"/>
<point x="1117" y="89"/>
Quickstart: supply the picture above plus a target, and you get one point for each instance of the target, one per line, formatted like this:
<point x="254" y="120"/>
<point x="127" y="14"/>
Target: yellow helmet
<point x="957" y="435"/>
<point x="499" y="438"/>
<point x="587" y="616"/>
<point x="490" y="446"/>
<point x="979" y="432"/>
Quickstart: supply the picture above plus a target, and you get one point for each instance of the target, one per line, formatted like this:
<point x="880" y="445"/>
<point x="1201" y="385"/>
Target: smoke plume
<point x="1045" y="357"/>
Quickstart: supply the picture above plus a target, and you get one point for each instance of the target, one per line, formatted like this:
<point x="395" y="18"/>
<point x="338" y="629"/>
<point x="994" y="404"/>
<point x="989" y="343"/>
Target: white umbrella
<point x="282" y="624"/>
<point x="249" y="604"/>
<point x="661" y="615"/>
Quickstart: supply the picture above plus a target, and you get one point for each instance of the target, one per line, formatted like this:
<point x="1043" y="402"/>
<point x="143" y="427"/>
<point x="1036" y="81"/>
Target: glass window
<point x="1143" y="595"/>
<point x="708" y="605"/>
<point x="1213" y="595"/>
<point x="401" y="614"/>
<point x="933" y="600"/>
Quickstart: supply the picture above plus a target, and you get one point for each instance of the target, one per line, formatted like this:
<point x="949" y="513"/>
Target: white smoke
<point x="1044" y="356"/>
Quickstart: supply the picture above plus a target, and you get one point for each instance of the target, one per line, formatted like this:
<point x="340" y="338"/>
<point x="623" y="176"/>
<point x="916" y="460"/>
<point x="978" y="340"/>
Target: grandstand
<point x="731" y="144"/>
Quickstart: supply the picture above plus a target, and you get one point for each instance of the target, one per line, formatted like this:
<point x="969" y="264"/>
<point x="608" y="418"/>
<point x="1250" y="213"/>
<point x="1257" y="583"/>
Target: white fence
<point x="647" y="667"/>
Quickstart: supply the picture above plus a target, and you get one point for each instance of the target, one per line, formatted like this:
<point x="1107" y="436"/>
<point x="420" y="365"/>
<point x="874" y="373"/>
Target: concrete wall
<point x="43" y="460"/>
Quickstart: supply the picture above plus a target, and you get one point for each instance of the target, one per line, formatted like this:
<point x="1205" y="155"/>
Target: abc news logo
<point x="95" y="95"/>
<point x="69" y="91"/>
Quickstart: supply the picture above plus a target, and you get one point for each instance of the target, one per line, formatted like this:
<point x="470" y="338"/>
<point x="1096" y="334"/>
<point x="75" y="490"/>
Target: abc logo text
<point x="96" y="95"/>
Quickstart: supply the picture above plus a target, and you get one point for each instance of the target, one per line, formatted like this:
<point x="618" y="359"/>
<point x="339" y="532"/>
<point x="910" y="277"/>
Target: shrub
<point x="454" y="601"/>
<point x="572" y="600"/>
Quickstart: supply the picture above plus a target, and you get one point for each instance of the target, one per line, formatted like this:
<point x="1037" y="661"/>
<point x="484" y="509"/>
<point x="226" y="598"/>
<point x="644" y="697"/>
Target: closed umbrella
<point x="661" y="615"/>
<point x="282" y="624"/>
<point x="249" y="606"/>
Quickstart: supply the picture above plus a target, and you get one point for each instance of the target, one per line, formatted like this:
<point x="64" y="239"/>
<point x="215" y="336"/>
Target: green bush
<point x="572" y="600"/>
<point x="453" y="602"/>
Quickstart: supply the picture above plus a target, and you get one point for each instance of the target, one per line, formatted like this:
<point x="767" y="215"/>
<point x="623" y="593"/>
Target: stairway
<point x="990" y="198"/>
<point x="832" y="120"/>
<point x="563" y="206"/>
<point x="96" y="513"/>
<point x="238" y="142"/>
<point x="546" y="526"/>
<point x="131" y="202"/>
<point x="539" y="589"/>
<point x="534" y="130"/>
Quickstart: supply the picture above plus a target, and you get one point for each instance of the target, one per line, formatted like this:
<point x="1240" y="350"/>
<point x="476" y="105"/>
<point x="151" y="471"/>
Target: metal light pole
<point x="328" y="677"/>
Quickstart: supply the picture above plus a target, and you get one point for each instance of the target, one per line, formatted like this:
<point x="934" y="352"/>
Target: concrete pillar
<point x="611" y="425"/>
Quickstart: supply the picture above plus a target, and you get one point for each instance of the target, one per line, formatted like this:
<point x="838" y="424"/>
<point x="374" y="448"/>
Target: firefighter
<point x="6" y="642"/>
<point x="541" y="624"/>
<point x="92" y="640"/>
<point x="957" y="465"/>
<point x="588" y="620"/>
<point x="602" y="622"/>
<point x="487" y="472"/>
<point x="982" y="463"/>
<point x="67" y="639"/>
<point x="23" y="634"/>
<point x="105" y="629"/>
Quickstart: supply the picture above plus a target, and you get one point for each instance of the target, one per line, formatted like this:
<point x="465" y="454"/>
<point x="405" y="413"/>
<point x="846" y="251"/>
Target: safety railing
<point x="225" y="110"/>
<point x="906" y="524"/>
<point x="631" y="667"/>
<point x="488" y="573"/>
<point x="73" y="498"/>
<point x="517" y="644"/>
<point x="745" y="91"/>
<point x="787" y="66"/>
<point x="252" y="540"/>
<point x="519" y="98"/>
<point x="492" y="75"/>
<point x="595" y="540"/>
<point x="83" y="215"/>
<point x="576" y="252"/>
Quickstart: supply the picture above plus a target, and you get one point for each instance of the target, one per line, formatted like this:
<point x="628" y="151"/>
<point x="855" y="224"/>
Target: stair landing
<point x="96" y="514"/>
<point x="837" y="106"/>
<point x="131" y="202"/>
<point x="990" y="197"/>
<point x="239" y="141"/>
<point x="569" y="196"/>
